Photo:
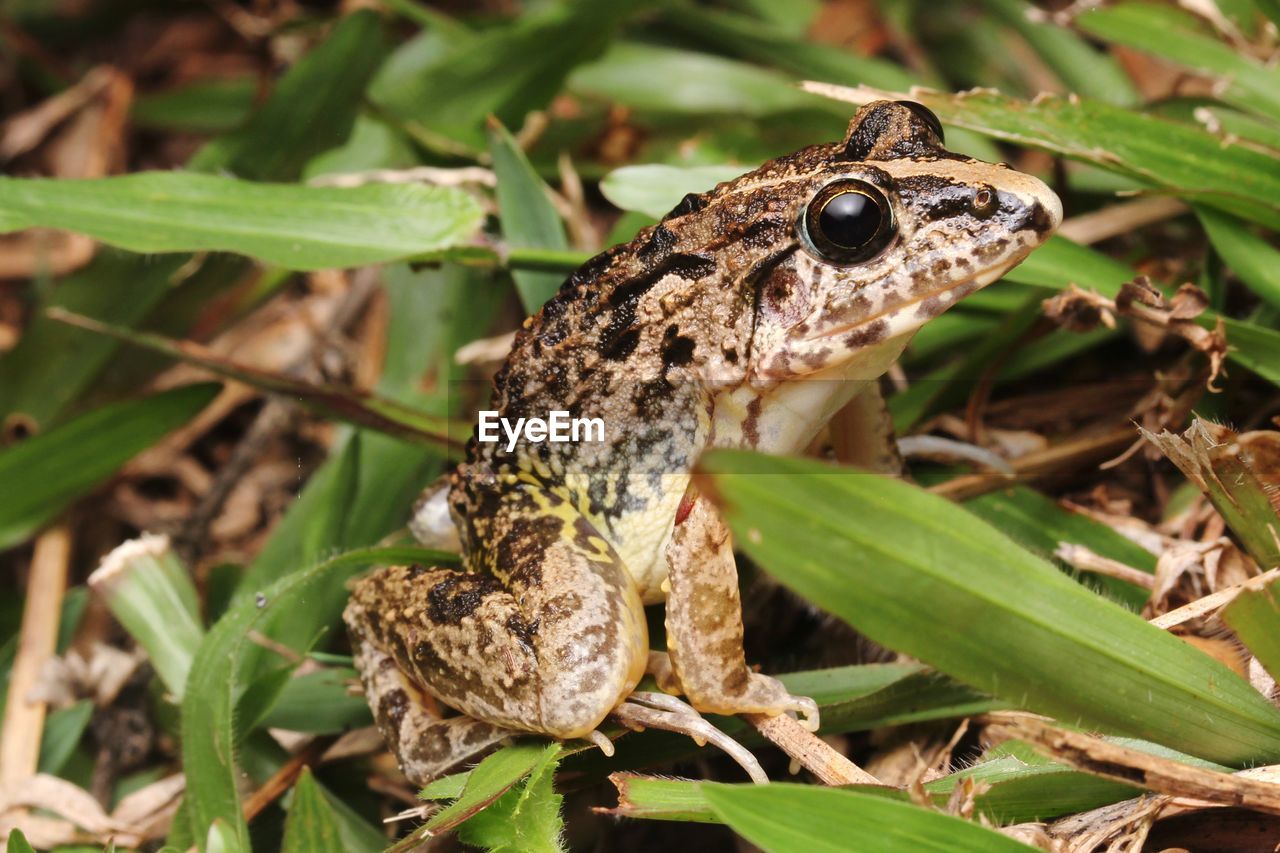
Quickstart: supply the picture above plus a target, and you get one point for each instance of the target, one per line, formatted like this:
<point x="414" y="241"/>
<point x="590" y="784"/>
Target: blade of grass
<point x="42" y="475"/>
<point x="62" y="732"/>
<point x="294" y="226"/>
<point x="311" y="109"/>
<point x="310" y="824"/>
<point x="208" y="708"/>
<point x="803" y="817"/>
<point x="1082" y="68"/>
<point x="462" y="81"/>
<point x="18" y="843"/>
<point x="148" y="590"/>
<point x="1176" y="35"/>
<point x="490" y="779"/>
<point x="1041" y="524"/>
<point x="1254" y="616"/>
<point x="952" y="591"/>
<point x="654" y="188"/>
<point x="525" y="818"/>
<point x="668" y="80"/>
<point x="344" y="404"/>
<point x="529" y="220"/>
<point x="1255" y="260"/>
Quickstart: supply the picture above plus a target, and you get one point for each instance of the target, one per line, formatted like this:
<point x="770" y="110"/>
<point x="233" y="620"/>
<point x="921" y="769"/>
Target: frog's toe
<point x="661" y="711"/>
<point x="807" y="711"/>
<point x="601" y="740"/>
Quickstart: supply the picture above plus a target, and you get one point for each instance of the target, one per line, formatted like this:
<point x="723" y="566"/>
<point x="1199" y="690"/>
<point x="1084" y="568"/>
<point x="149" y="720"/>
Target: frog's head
<point x="890" y="230"/>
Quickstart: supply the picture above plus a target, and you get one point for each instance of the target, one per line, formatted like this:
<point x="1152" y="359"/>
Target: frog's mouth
<point x="881" y="325"/>
<point x="855" y="342"/>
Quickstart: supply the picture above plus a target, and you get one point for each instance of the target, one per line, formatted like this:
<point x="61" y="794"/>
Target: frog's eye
<point x="849" y="222"/>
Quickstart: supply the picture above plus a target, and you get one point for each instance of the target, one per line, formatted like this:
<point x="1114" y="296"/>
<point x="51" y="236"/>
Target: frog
<point x="747" y="317"/>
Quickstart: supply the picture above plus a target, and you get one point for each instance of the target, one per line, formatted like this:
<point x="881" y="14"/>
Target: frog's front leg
<point x="704" y="626"/>
<point x="549" y="643"/>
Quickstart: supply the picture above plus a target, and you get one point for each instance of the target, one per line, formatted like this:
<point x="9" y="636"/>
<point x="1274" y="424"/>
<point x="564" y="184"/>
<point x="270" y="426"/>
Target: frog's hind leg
<point x="426" y="745"/>
<point x="551" y="647"/>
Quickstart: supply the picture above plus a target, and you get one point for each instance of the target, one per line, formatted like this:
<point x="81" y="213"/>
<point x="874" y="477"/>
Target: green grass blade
<point x="1255" y="260"/>
<point x="297" y="227"/>
<point x="148" y="590"/>
<point x="310" y="825"/>
<point x="490" y="779"/>
<point x="526" y="819"/>
<point x="319" y="702"/>
<point x="1176" y="35"/>
<point x="765" y="43"/>
<point x="463" y="81"/>
<point x="667" y="80"/>
<point x="1041" y="524"/>
<point x="40" y="476"/>
<point x="18" y="843"/>
<point x="787" y="817"/>
<point x="214" y="685"/>
<point x="1082" y="68"/>
<point x="529" y="220"/>
<point x="205" y="106"/>
<point x="1254" y="615"/>
<point x="62" y="732"/>
<point x="920" y="575"/>
<point x="311" y="109"/>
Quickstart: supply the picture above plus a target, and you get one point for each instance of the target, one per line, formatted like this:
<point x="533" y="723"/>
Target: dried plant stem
<point x="1066" y="456"/>
<point x="813" y="753"/>
<point x="37" y="642"/>
<point x="1122" y="218"/>
<point x="1212" y="602"/>
<point x="283" y="778"/>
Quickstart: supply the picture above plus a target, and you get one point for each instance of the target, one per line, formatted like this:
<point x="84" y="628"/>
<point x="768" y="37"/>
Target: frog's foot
<point x="660" y="711"/>
<point x="763" y="695"/>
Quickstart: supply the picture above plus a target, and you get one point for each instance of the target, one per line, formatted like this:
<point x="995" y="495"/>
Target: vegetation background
<point x="257" y="255"/>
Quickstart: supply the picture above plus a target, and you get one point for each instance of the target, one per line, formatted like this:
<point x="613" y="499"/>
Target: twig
<point x="813" y="753"/>
<point x="1080" y="557"/>
<point x="1121" y="218"/>
<point x="285" y="776"/>
<point x="1213" y="602"/>
<point x="24" y="720"/>
<point x="1067" y="455"/>
<point x="275" y="415"/>
<point x="1099" y="757"/>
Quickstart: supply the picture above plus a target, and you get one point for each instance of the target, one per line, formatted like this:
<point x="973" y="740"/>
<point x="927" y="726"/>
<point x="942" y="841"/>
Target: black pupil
<point x="849" y="220"/>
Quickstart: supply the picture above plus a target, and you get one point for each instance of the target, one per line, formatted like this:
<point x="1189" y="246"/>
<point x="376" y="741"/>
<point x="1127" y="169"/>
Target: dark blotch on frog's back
<point x="691" y="203"/>
<point x="677" y="350"/>
<point x="619" y="338"/>
<point x="457" y="597"/>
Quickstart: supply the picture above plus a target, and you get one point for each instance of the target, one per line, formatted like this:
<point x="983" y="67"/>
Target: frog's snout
<point x="1039" y="208"/>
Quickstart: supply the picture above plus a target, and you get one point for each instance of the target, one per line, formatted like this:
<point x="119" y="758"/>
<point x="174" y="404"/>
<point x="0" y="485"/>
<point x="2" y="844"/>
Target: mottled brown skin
<point x="721" y="326"/>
